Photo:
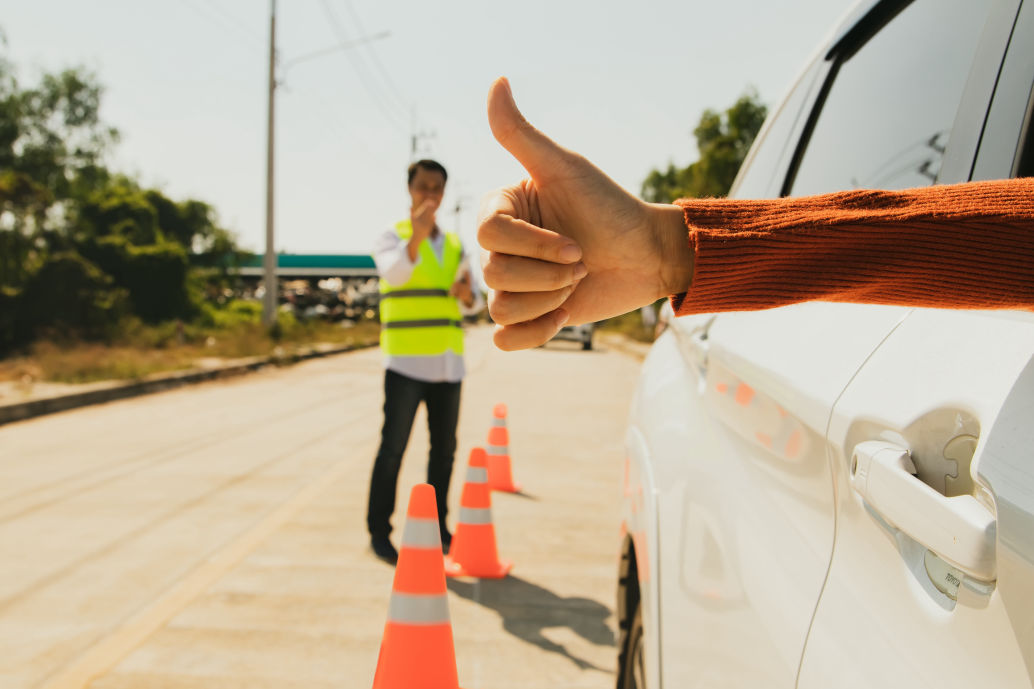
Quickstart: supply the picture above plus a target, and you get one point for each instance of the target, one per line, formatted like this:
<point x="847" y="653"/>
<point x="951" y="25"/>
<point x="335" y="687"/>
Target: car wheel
<point x="587" y="344"/>
<point x="633" y="666"/>
<point x="632" y="670"/>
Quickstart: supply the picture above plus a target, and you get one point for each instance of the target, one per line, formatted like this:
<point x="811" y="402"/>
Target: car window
<point x="887" y="117"/>
<point x="762" y="174"/>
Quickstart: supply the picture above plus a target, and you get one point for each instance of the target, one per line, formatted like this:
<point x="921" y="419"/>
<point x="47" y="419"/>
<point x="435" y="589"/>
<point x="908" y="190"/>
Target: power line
<point x="385" y="76"/>
<point x="416" y="134"/>
<point x="360" y="68"/>
<point x="240" y="30"/>
<point x="235" y="20"/>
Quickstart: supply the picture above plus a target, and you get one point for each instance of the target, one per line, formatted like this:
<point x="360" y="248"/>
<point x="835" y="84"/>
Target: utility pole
<point x="271" y="302"/>
<point x="417" y="135"/>
<point x="461" y="201"/>
<point x="269" y="279"/>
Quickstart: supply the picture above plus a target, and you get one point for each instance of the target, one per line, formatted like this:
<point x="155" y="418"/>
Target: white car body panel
<point x="764" y="563"/>
<point x="923" y="387"/>
<point x="733" y="426"/>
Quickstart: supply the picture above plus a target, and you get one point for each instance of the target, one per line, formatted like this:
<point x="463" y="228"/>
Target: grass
<point x="141" y="350"/>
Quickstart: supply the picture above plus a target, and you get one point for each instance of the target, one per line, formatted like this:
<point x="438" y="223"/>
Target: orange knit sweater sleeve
<point x="954" y="246"/>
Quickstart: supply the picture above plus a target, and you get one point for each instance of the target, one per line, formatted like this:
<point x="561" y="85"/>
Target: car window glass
<point x="1025" y="155"/>
<point x="758" y="179"/>
<point x="887" y="117"/>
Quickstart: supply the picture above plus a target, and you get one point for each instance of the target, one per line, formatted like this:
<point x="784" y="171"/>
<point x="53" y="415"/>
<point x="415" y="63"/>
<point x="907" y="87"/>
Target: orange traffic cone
<point x="500" y="474"/>
<point x="417" y="648"/>
<point x="473" y="552"/>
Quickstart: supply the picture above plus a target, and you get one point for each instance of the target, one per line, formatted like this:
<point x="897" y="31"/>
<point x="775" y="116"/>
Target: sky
<point x="185" y="82"/>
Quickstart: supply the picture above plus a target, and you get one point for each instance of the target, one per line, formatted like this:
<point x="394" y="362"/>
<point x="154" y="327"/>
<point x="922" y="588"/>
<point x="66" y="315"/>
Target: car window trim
<point x="1023" y="164"/>
<point x="868" y="25"/>
<point x="809" y="81"/>
<point x="972" y="109"/>
<point x="977" y="96"/>
<point x="1006" y="146"/>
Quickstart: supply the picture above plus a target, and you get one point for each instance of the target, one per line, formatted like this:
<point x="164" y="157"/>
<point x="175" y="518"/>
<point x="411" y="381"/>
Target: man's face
<point x="427" y="185"/>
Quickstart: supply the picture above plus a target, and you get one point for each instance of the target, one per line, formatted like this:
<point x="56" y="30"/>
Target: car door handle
<point x="958" y="529"/>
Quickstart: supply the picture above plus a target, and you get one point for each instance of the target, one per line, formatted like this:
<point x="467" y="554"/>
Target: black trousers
<point x="402" y="396"/>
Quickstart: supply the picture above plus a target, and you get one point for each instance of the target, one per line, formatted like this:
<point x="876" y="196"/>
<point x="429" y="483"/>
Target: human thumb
<point x="534" y="150"/>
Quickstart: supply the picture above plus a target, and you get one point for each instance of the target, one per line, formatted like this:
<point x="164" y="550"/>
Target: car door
<point x="921" y="460"/>
<point x="741" y="484"/>
<point x="912" y="598"/>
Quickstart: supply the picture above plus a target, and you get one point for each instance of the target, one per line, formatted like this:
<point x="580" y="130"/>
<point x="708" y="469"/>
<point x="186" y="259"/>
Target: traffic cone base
<point x="498" y="571"/>
<point x="430" y="661"/>
<point x="500" y="474"/>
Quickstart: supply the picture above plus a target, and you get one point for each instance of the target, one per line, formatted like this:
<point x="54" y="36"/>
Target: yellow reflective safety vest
<point x="420" y="317"/>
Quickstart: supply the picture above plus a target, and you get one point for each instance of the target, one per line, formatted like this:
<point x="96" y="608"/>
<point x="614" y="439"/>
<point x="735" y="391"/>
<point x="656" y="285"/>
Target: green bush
<point x="154" y="275"/>
<point x="11" y="334"/>
<point x="234" y="314"/>
<point x="157" y="282"/>
<point x="70" y="295"/>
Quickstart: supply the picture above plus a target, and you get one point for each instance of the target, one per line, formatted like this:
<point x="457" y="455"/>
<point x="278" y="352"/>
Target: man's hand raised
<point x="422" y="218"/>
<point x="569" y="244"/>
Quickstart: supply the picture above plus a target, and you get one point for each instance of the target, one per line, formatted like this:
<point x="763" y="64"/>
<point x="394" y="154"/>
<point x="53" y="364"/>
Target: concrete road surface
<point x="214" y="536"/>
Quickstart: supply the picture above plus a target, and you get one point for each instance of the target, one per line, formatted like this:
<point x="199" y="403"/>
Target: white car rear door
<point x="913" y="597"/>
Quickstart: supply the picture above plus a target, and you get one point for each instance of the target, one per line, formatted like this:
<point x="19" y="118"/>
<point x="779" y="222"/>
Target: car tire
<point x="587" y="344"/>
<point x="632" y="664"/>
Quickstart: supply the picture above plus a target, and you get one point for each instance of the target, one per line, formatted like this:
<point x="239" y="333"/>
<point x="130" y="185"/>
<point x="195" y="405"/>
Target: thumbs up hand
<point x="568" y="245"/>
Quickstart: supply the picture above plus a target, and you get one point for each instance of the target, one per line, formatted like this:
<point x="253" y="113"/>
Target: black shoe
<point x="384" y="550"/>
<point x="446" y="540"/>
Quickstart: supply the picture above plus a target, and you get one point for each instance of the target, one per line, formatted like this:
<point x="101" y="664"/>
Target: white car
<point x="836" y="495"/>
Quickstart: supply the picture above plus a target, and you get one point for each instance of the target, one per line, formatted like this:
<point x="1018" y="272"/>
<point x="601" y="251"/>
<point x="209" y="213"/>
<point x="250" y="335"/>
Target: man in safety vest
<point x="426" y="288"/>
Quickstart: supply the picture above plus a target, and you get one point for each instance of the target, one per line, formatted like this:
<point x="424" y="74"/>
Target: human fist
<point x="569" y="244"/>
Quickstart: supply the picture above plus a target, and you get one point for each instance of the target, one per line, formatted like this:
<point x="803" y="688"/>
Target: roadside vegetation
<point x="141" y="350"/>
<point x="104" y="277"/>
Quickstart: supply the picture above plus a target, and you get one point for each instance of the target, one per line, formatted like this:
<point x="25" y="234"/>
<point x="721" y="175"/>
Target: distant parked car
<point x="579" y="333"/>
<point x="835" y="496"/>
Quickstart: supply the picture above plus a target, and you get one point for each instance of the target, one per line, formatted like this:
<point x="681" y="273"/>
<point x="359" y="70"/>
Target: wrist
<point x="671" y="237"/>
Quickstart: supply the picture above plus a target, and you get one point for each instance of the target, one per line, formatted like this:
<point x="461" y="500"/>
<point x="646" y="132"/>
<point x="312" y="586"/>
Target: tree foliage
<point x="723" y="140"/>
<point x="80" y="245"/>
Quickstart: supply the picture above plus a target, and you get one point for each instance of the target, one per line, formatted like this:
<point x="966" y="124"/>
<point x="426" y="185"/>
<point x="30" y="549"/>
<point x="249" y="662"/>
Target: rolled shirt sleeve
<point x="475" y="288"/>
<point x="392" y="259"/>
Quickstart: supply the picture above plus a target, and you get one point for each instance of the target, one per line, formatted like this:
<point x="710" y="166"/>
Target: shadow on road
<point x="527" y="496"/>
<point x="527" y="609"/>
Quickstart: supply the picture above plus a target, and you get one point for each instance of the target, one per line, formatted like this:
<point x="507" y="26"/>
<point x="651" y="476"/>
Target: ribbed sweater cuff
<point x="960" y="246"/>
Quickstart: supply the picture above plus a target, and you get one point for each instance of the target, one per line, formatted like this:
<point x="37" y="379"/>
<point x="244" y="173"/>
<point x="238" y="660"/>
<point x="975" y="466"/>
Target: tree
<point x="80" y="245"/>
<point x="51" y="141"/>
<point x="723" y="140"/>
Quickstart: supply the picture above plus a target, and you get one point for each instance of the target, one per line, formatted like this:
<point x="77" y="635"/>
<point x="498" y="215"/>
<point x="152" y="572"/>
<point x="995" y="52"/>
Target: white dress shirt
<point x="393" y="265"/>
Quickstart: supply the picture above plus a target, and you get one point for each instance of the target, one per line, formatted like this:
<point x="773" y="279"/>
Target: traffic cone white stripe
<point x="415" y="608"/>
<point x="422" y="533"/>
<point x="497" y="449"/>
<point x="475" y="516"/>
<point x="498" y="422"/>
<point x="477" y="475"/>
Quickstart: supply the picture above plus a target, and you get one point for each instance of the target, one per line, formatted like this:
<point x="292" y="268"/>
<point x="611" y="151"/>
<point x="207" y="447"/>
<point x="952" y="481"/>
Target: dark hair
<point x="430" y="166"/>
